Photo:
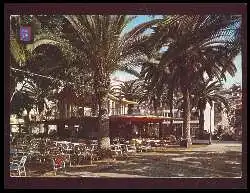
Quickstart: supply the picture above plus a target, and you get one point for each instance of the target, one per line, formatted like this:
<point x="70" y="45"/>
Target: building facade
<point x="230" y="120"/>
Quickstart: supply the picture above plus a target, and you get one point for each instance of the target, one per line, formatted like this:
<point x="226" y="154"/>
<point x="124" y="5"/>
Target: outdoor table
<point x="61" y="142"/>
<point x="23" y="146"/>
<point x="53" y="147"/>
<point x="76" y="144"/>
<point x="20" y="151"/>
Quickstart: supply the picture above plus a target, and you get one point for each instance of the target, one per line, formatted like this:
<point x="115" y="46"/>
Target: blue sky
<point x="144" y="18"/>
<point x="238" y="76"/>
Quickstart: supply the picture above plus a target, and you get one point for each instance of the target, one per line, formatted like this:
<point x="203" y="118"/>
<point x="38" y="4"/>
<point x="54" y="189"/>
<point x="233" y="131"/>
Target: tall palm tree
<point x="205" y="92"/>
<point x="44" y="59"/>
<point x="162" y="79"/>
<point x="106" y="51"/>
<point x="199" y="44"/>
<point x="97" y="42"/>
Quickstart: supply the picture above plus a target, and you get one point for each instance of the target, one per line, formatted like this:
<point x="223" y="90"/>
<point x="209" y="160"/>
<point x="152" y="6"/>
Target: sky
<point x="123" y="76"/>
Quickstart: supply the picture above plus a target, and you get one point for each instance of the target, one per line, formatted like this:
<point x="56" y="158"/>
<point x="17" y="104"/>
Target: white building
<point x="209" y="118"/>
<point x="116" y="106"/>
<point x="194" y="123"/>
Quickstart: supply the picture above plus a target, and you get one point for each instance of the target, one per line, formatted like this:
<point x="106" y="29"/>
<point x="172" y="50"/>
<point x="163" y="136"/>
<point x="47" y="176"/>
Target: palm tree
<point x="105" y="50"/>
<point x="130" y="90"/>
<point x="205" y="92"/>
<point x="162" y="83"/>
<point x="199" y="44"/>
<point x="154" y="79"/>
<point x="20" y="102"/>
<point x="44" y="58"/>
<point x="23" y="61"/>
<point x="98" y="44"/>
<point x="18" y="54"/>
<point x="19" y="58"/>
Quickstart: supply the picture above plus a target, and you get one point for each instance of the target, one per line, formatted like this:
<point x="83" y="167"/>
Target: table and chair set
<point x="63" y="154"/>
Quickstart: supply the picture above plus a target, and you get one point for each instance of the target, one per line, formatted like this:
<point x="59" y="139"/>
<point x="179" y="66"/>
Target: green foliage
<point x="20" y="102"/>
<point x="86" y="49"/>
<point x="208" y="92"/>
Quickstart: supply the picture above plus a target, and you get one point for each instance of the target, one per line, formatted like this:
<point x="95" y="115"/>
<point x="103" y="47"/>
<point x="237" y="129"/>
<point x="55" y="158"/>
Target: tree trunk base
<point x="104" y="143"/>
<point x="104" y="150"/>
<point x="186" y="143"/>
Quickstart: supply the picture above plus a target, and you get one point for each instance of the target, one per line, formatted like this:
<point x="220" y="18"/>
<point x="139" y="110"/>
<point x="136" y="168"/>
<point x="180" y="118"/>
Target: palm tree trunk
<point x="103" y="119"/>
<point x="187" y="115"/>
<point x="60" y="109"/>
<point x="171" y="101"/>
<point x="94" y="109"/>
<point x="201" y="122"/>
<point x="103" y="127"/>
<point x="60" y="129"/>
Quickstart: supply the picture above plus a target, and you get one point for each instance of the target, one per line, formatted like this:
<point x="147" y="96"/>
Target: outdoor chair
<point x="94" y="154"/>
<point x="116" y="151"/>
<point x="83" y="155"/>
<point x="80" y="152"/>
<point x="123" y="148"/>
<point x="122" y="140"/>
<point x="36" y="156"/>
<point x="124" y="151"/>
<point x="145" y="146"/>
<point x="58" y="163"/>
<point x="67" y="158"/>
<point x="131" y="149"/>
<point x="19" y="166"/>
<point x="75" y="155"/>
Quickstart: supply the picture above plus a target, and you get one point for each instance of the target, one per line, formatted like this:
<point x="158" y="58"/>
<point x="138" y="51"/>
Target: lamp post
<point x="210" y="126"/>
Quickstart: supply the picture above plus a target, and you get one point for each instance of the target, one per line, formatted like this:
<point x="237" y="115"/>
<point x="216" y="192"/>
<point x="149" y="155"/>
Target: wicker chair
<point x="19" y="166"/>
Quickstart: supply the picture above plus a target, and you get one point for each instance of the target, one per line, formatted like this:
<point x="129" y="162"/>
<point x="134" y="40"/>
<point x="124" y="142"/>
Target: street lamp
<point x="210" y="126"/>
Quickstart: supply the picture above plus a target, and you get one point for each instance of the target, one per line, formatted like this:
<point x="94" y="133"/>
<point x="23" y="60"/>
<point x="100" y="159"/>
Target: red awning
<point x="144" y="119"/>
